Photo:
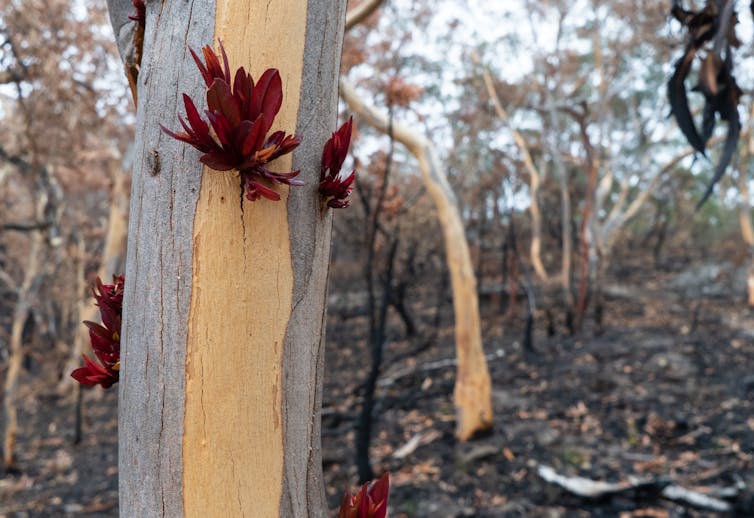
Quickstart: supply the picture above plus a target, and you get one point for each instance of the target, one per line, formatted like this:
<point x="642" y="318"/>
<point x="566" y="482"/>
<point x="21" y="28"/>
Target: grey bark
<point x="123" y="27"/>
<point x="303" y="361"/>
<point x="159" y="265"/>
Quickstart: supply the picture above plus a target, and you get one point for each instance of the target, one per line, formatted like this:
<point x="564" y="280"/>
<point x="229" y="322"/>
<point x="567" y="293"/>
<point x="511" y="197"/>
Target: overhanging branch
<point x="361" y="12"/>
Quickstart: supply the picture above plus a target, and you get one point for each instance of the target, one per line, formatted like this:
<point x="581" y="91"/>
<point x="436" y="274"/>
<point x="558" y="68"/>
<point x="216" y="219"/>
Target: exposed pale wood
<point x="233" y="437"/>
<point x="224" y="305"/>
<point x="473" y="389"/>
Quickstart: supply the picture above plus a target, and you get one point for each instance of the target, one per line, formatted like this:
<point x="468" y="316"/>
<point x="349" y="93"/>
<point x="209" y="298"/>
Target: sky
<point x="496" y="24"/>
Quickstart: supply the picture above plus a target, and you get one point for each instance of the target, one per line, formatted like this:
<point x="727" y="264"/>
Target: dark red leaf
<point x="255" y="189"/>
<point x="267" y="97"/>
<point x="218" y="161"/>
<point x="201" y="129"/>
<point x="255" y="137"/>
<point x="220" y="99"/>
<point x="202" y="69"/>
<point x="243" y="85"/>
<point x="226" y="68"/>
<point x="183" y="137"/>
<point x="213" y="65"/>
<point x="222" y="128"/>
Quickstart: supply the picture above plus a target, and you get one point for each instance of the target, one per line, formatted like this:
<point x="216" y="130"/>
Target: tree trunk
<point x="221" y="367"/>
<point x="565" y="212"/>
<point x="26" y="296"/>
<point x="602" y="259"/>
<point x="744" y="219"/>
<point x="473" y="393"/>
<point x="535" y="179"/>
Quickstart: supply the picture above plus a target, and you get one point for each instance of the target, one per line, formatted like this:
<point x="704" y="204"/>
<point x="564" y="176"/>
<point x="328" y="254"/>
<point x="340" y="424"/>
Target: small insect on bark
<point x="153" y="161"/>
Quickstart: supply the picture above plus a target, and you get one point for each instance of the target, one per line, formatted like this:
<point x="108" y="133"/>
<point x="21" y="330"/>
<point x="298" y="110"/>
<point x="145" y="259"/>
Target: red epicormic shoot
<point x="333" y="187"/>
<point x="105" y="338"/>
<point x="369" y="502"/>
<point x="239" y="115"/>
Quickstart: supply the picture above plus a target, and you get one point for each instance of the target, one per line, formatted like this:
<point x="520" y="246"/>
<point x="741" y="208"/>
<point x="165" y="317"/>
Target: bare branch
<point x="15" y="160"/>
<point x="416" y="143"/>
<point x="24" y="227"/>
<point x="535" y="179"/>
<point x="8" y="280"/>
<point x="609" y="229"/>
<point x="361" y="12"/>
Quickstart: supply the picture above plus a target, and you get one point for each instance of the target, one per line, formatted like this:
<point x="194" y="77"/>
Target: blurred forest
<point x="617" y="318"/>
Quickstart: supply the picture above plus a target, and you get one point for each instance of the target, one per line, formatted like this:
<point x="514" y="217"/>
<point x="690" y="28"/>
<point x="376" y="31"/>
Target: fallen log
<point x="663" y="488"/>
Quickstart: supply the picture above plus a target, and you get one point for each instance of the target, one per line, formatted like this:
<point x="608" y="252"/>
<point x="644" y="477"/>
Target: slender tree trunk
<point x="377" y="339"/>
<point x="662" y="233"/>
<point x="744" y="219"/>
<point x="480" y="235"/>
<point x="535" y="179"/>
<point x="512" y="267"/>
<point x="76" y="388"/>
<point x="378" y="306"/>
<point x="398" y="301"/>
<point x="221" y="367"/>
<point x="600" y="269"/>
<point x="473" y="390"/>
<point x="565" y="214"/>
<point x="27" y="294"/>
<point x="586" y="229"/>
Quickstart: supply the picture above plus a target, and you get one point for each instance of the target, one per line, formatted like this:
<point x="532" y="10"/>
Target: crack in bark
<point x="238" y="487"/>
<point x="164" y="386"/>
<point x="243" y="229"/>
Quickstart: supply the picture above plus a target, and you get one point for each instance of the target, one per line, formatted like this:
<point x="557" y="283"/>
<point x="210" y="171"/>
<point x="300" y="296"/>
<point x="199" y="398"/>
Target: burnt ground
<point x="665" y="392"/>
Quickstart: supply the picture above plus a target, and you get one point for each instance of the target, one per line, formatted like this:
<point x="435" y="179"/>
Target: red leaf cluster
<point x="105" y="338"/>
<point x="333" y="187"/>
<point x="234" y="135"/>
<point x="369" y="502"/>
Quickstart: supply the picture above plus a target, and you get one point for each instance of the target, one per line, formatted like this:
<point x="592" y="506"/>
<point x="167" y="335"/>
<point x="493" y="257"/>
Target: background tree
<point x="472" y="393"/>
<point x="52" y="73"/>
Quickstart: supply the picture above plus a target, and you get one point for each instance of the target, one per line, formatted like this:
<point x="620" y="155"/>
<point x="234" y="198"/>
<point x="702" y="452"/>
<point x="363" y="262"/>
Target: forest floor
<point x="664" y="393"/>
